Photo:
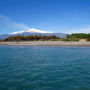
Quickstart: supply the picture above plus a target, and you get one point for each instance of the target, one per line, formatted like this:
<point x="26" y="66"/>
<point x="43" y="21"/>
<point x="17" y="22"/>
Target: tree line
<point x="69" y="37"/>
<point x="31" y="38"/>
<point x="77" y="37"/>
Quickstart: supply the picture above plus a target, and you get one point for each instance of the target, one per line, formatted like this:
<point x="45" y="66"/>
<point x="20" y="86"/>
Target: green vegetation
<point x="69" y="37"/>
<point x="88" y="38"/>
<point x="77" y="37"/>
<point x="31" y="38"/>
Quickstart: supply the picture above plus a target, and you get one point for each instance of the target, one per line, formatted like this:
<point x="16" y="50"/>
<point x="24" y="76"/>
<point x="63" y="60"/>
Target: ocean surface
<point x="44" y="68"/>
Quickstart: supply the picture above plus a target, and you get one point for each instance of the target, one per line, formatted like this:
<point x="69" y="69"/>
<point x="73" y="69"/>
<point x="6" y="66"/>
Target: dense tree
<point x="69" y="37"/>
<point x="1" y="40"/>
<point x="15" y="38"/>
<point x="88" y="38"/>
<point x="31" y="38"/>
<point x="76" y="37"/>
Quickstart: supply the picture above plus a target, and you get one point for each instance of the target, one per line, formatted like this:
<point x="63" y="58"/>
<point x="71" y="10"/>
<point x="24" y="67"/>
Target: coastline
<point x="45" y="43"/>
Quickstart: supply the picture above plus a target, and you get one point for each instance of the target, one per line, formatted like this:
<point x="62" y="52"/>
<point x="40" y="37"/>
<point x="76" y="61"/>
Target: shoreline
<point x="46" y="43"/>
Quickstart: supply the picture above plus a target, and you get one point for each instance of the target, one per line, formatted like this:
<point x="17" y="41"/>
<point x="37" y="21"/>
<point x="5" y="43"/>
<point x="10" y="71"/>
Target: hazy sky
<point x="50" y="15"/>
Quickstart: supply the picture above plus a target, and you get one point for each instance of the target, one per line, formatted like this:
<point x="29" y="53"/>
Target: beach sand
<point x="46" y="43"/>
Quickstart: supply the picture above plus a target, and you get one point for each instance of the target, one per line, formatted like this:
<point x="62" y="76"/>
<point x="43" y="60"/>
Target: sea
<point x="44" y="68"/>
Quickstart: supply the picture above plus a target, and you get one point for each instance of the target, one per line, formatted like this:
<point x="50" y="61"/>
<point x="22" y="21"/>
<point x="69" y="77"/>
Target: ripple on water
<point x="44" y="68"/>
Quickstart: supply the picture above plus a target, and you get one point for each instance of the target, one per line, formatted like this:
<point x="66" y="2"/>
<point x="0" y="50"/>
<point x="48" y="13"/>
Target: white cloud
<point x="21" y="26"/>
<point x="7" y="24"/>
<point x="11" y="26"/>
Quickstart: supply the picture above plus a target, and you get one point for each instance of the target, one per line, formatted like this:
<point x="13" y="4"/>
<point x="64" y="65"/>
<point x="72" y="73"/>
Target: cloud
<point x="20" y="26"/>
<point x="7" y="24"/>
<point x="81" y="30"/>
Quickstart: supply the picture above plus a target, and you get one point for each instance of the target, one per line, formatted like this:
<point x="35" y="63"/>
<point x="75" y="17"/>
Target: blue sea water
<point x="44" y="68"/>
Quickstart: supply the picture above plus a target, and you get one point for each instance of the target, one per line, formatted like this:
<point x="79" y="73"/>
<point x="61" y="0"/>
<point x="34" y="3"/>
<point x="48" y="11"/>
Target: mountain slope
<point x="32" y="31"/>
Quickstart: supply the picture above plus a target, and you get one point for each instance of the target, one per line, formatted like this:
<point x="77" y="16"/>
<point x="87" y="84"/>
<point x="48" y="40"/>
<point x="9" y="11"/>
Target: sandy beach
<point x="45" y="43"/>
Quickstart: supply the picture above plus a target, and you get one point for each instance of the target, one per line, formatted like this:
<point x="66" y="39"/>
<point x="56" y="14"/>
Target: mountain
<point x="32" y="31"/>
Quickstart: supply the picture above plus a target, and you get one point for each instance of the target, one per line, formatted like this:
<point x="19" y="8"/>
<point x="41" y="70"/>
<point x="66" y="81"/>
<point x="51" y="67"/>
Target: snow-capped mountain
<point x="32" y="31"/>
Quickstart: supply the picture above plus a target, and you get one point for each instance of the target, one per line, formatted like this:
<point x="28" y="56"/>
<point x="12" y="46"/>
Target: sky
<point x="64" y="16"/>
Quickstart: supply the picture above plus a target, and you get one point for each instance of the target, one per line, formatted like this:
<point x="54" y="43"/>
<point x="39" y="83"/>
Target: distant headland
<point x="42" y="38"/>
